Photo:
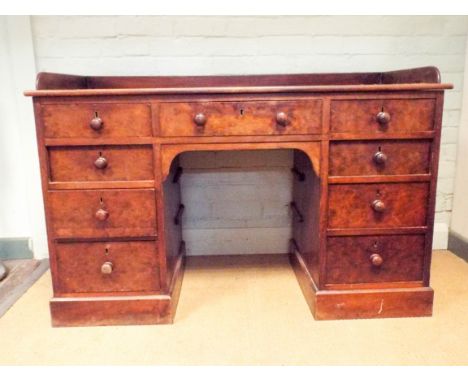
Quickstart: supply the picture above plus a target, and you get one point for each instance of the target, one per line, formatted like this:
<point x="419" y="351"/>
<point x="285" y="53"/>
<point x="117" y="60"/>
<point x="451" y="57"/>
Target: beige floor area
<point x="247" y="311"/>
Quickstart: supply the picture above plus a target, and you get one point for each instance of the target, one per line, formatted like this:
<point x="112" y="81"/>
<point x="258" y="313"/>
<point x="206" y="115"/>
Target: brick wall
<point x="236" y="204"/>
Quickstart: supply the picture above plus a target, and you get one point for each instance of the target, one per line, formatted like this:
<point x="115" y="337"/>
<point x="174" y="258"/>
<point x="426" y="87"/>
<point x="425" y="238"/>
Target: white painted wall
<point x="459" y="222"/>
<point x="108" y="45"/>
<point x="21" y="207"/>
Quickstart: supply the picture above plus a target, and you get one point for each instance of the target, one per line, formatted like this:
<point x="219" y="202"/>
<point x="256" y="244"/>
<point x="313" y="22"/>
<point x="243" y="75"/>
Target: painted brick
<point x="200" y="26"/>
<point x="451" y="118"/>
<point x="449" y="134"/>
<point x="237" y="241"/>
<point x="442" y="217"/>
<point x="338" y="25"/>
<point x="144" y="26"/>
<point x="448" y="152"/>
<point x="446" y="169"/>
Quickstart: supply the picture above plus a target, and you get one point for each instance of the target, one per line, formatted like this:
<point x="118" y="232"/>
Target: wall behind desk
<point x="131" y="45"/>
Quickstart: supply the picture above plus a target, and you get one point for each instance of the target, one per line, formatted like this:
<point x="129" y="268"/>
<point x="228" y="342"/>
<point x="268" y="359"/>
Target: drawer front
<point x="108" y="213"/>
<point x="382" y="117"/>
<point x="100" y="163"/>
<point x="240" y="118"/>
<point x="377" y="205"/>
<point x="96" y="120"/>
<point x="107" y="267"/>
<point x="374" y="259"/>
<point x="383" y="157"/>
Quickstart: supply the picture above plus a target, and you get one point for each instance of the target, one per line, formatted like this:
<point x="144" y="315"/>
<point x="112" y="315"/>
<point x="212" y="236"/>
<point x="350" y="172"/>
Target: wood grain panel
<point x="72" y="120"/>
<point x="124" y="163"/>
<point x="349" y="259"/>
<point x="135" y="267"/>
<point x="357" y="158"/>
<point x="240" y="118"/>
<point x="131" y="213"/>
<point x="360" y="116"/>
<point x="350" y="206"/>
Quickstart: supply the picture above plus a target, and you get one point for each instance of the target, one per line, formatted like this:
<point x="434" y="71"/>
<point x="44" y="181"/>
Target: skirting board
<point x="458" y="245"/>
<point x="15" y="248"/>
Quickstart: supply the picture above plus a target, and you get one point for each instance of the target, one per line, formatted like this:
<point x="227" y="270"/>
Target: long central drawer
<point x="240" y="118"/>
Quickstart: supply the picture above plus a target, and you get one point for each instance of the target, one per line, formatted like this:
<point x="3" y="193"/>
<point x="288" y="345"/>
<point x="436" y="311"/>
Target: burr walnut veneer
<point x="366" y="149"/>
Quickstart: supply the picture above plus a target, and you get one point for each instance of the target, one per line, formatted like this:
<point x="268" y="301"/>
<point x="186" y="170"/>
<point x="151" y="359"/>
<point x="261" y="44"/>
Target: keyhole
<point x="241" y="111"/>
<point x="377" y="192"/>
<point x="107" y="251"/>
<point x="380" y="148"/>
<point x="101" y="201"/>
<point x="96" y="114"/>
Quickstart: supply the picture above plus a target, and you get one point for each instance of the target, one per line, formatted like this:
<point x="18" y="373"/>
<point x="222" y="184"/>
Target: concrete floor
<point x="244" y="310"/>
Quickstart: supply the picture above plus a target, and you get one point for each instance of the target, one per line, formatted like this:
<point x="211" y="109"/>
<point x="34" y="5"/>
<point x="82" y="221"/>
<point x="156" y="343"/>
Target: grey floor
<point x="22" y="274"/>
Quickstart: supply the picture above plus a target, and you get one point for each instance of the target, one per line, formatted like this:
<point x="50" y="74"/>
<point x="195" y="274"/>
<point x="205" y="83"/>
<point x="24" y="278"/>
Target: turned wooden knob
<point x="378" y="205"/>
<point x="102" y="214"/>
<point x="383" y="117"/>
<point x="376" y="260"/>
<point x="200" y="120"/>
<point x="282" y="118"/>
<point x="107" y="268"/>
<point x="96" y="123"/>
<point x="100" y="163"/>
<point x="380" y="157"/>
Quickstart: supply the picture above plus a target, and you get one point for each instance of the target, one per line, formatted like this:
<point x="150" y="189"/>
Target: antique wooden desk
<point x="366" y="150"/>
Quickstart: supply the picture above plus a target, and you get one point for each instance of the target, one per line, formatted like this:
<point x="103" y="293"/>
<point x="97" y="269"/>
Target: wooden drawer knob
<point x="200" y="120"/>
<point x="100" y="163"/>
<point x="380" y="157"/>
<point x="383" y="117"/>
<point x="376" y="260"/>
<point x="378" y="205"/>
<point x="107" y="268"/>
<point x="282" y="119"/>
<point x="96" y="124"/>
<point x="102" y="214"/>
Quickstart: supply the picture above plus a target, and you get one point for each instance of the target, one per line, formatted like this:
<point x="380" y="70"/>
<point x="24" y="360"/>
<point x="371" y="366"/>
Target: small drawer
<point x="377" y="205"/>
<point x="96" y="120"/>
<point x="381" y="117"/>
<point x="100" y="163"/>
<point x="374" y="259"/>
<point x="355" y="158"/>
<point x="107" y="267"/>
<point x="102" y="213"/>
<point x="240" y="118"/>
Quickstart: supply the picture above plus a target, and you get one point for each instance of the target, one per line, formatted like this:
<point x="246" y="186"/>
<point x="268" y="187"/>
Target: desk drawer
<point x="378" y="205"/>
<point x="96" y="120"/>
<point x="374" y="259"/>
<point x="103" y="213"/>
<point x="100" y="163"/>
<point x="240" y="118"/>
<point x="381" y="117"/>
<point x="107" y="267"/>
<point x="355" y="158"/>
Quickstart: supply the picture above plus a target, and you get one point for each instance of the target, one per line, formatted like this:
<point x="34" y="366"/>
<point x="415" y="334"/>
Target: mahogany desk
<point x="366" y="149"/>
